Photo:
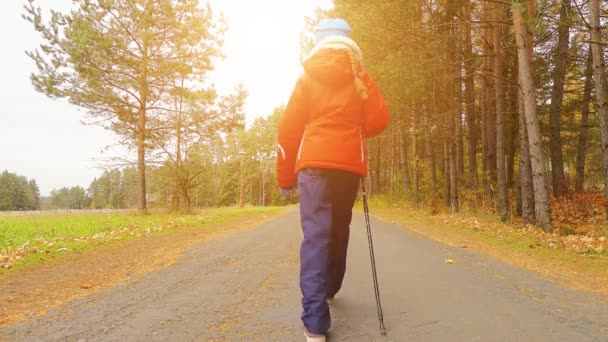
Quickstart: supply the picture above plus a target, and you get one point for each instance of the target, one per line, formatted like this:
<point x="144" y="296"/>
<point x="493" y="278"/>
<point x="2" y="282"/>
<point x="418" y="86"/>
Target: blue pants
<point x="326" y="202"/>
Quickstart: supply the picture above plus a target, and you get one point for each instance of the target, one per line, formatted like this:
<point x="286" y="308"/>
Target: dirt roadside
<point x="567" y="268"/>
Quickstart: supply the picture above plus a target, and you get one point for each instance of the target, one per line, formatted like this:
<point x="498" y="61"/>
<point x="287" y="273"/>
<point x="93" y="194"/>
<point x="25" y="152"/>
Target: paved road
<point x="244" y="287"/>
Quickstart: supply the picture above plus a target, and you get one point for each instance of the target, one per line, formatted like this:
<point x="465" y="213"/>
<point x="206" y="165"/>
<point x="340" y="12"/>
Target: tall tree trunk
<point x="430" y="156"/>
<point x="446" y="171"/>
<point x="542" y="204"/>
<point x="490" y="113"/>
<point x="513" y="95"/>
<point x="250" y="191"/>
<point x="581" y="152"/>
<point x="391" y="171"/>
<point x="557" y="96"/>
<point x="525" y="167"/>
<point x="403" y="160"/>
<point x="187" y="199"/>
<point x="501" y="179"/>
<point x="141" y="132"/>
<point x="263" y="185"/>
<point x="484" y="133"/>
<point x="415" y="156"/>
<point x="179" y="186"/>
<point x="455" y="119"/>
<point x="601" y="85"/>
<point x="484" y="99"/>
<point x="141" y="159"/>
<point x="260" y="190"/>
<point x="458" y="129"/>
<point x="440" y="109"/>
<point x="489" y="106"/>
<point x="469" y="93"/>
<point x="453" y="179"/>
<point x="490" y="117"/>
<point x="178" y="158"/>
<point x="459" y="144"/>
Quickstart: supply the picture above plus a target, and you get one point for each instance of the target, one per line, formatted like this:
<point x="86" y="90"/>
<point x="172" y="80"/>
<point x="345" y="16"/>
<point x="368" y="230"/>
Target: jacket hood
<point x="330" y="66"/>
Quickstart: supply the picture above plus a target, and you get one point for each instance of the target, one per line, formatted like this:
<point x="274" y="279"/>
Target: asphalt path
<point x="244" y="287"/>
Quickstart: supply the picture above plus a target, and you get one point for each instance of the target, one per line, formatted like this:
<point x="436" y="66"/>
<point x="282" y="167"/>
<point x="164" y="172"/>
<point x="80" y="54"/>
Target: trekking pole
<point x="372" y="258"/>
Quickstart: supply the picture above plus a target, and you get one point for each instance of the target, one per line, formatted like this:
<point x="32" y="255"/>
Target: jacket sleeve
<point x="375" y="110"/>
<point x="291" y="129"/>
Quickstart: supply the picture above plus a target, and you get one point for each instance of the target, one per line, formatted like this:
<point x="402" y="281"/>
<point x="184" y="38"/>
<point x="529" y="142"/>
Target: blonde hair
<point x="359" y="83"/>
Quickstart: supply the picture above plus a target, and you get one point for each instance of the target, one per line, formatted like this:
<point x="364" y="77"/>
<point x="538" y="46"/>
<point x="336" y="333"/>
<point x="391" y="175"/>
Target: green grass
<point x="37" y="236"/>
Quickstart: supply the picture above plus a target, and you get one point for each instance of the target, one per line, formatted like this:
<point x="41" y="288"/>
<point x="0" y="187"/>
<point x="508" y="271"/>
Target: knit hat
<point x="331" y="27"/>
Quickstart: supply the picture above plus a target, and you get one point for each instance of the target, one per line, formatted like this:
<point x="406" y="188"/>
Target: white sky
<point x="44" y="139"/>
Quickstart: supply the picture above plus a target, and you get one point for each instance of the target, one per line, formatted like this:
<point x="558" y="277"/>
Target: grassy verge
<point x="557" y="257"/>
<point x="30" y="239"/>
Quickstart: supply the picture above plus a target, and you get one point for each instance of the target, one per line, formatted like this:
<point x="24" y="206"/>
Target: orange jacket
<point x="326" y="120"/>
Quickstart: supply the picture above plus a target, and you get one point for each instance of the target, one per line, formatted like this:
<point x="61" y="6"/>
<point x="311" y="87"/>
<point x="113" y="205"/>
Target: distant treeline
<point x="224" y="170"/>
<point x="18" y="193"/>
<point x="236" y="168"/>
<point x="113" y="189"/>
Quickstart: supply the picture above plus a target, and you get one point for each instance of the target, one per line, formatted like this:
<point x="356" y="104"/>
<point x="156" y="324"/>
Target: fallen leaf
<point x="450" y="261"/>
<point x="86" y="285"/>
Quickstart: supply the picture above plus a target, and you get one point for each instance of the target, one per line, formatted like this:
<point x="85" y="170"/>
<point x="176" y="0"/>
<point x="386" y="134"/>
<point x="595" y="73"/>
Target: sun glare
<point x="262" y="49"/>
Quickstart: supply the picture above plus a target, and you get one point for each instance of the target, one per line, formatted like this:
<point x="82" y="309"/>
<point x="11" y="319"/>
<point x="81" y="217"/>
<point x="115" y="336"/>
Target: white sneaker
<point x="310" y="337"/>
